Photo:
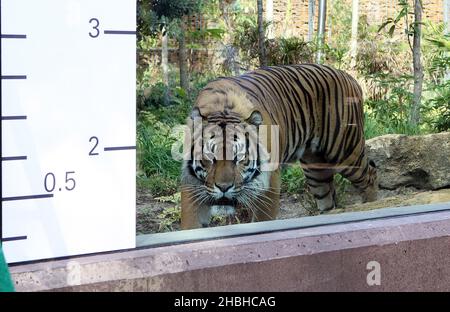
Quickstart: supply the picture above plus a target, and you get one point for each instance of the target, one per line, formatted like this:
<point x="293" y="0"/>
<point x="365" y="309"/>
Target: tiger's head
<point x="228" y="155"/>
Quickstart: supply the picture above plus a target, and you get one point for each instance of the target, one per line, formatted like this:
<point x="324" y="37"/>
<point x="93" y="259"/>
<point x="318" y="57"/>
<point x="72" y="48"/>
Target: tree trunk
<point x="165" y="63"/>
<point x="269" y="18"/>
<point x="261" y="39"/>
<point x="182" y="59"/>
<point x="231" y="52"/>
<point x="354" y="42"/>
<point x="321" y="29"/>
<point x="418" y="69"/>
<point x="447" y="15"/>
<point x="165" y="57"/>
<point x="447" y="28"/>
<point x="311" y="10"/>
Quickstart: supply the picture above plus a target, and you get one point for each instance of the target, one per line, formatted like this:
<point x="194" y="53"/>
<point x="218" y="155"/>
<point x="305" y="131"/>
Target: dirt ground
<point x="155" y="216"/>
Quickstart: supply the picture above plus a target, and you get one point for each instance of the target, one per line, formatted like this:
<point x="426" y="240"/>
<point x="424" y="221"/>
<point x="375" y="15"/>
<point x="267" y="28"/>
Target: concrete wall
<point x="412" y="251"/>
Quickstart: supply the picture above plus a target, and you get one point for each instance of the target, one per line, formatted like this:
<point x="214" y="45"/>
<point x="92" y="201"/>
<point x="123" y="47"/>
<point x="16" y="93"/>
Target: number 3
<point x="97" y="33"/>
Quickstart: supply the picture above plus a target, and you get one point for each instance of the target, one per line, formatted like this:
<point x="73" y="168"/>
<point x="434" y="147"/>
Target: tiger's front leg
<point x="267" y="206"/>
<point x="193" y="215"/>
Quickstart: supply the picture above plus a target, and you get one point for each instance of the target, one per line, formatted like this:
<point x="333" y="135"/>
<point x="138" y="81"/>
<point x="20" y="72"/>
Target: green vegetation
<point x="383" y="67"/>
<point x="157" y="170"/>
<point x="169" y="216"/>
<point x="292" y="179"/>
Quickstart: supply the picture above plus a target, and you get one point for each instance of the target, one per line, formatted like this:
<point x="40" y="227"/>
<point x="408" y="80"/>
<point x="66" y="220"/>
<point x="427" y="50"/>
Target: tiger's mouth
<point x="224" y="202"/>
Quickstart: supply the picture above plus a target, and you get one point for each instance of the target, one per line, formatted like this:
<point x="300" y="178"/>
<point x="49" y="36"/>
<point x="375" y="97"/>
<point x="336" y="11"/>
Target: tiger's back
<point x="312" y="104"/>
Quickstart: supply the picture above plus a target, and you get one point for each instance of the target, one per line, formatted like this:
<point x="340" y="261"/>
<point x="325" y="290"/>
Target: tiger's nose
<point x="224" y="186"/>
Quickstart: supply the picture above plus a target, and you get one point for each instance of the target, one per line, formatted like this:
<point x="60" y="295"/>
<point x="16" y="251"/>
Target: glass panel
<point x="324" y="115"/>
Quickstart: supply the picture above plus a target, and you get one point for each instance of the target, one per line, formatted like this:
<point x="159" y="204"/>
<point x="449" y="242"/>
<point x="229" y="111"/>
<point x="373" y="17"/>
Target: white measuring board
<point x="68" y="127"/>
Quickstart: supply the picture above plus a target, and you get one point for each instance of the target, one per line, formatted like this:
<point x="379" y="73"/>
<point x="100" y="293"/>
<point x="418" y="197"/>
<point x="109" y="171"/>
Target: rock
<point x="422" y="161"/>
<point x="416" y="198"/>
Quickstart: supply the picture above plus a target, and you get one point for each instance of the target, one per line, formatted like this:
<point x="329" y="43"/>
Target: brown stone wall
<point x="290" y="17"/>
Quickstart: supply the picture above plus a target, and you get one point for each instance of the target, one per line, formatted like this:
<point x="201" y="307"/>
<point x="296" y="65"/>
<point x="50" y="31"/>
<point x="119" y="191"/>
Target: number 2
<point x="92" y="153"/>
<point x="97" y="31"/>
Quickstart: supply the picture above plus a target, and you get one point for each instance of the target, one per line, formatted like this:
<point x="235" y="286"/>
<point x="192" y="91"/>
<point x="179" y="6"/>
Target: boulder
<point x="421" y="161"/>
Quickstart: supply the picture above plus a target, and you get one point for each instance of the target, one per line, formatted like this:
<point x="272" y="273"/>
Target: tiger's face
<point x="226" y="166"/>
<point x="226" y="169"/>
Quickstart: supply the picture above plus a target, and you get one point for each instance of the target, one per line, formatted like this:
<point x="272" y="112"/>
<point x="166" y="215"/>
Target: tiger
<point x="313" y="114"/>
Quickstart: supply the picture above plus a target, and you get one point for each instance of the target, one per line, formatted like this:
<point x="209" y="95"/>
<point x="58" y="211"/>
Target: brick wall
<point x="290" y="17"/>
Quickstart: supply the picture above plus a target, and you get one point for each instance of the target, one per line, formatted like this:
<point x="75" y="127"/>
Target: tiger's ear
<point x="195" y="113"/>
<point x="255" y="118"/>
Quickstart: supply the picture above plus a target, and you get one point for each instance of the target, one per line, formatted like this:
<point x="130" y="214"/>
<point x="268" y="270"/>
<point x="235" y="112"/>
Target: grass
<point x="293" y="180"/>
<point x="374" y="127"/>
<point x="158" y="171"/>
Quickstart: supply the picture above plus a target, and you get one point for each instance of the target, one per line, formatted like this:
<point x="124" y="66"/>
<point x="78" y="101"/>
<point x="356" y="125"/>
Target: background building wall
<point x="290" y="17"/>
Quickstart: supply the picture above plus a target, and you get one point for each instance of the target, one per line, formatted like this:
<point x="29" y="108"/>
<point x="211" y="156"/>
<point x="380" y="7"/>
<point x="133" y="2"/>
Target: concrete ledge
<point x="413" y="252"/>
